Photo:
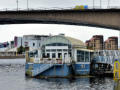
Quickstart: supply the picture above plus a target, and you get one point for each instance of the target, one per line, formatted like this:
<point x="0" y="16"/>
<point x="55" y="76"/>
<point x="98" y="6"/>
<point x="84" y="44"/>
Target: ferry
<point x="59" y="56"/>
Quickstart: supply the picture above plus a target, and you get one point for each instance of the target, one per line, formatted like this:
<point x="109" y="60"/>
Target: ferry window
<point x="59" y="49"/>
<point x="65" y="50"/>
<point x="86" y="56"/>
<point x="48" y="55"/>
<point x="33" y="44"/>
<point x="91" y="56"/>
<point x="30" y="54"/>
<point x="36" y="53"/>
<point x="26" y="44"/>
<point x="53" y="44"/>
<point x="61" y="44"/>
<point x="53" y="55"/>
<point x="65" y="55"/>
<point x="80" y="56"/>
<point x="48" y="50"/>
<point x="53" y="50"/>
<point x="70" y="54"/>
<point x="59" y="55"/>
<point x="43" y="55"/>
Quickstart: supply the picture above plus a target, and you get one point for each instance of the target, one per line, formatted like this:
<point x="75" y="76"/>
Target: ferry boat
<point x="59" y="56"/>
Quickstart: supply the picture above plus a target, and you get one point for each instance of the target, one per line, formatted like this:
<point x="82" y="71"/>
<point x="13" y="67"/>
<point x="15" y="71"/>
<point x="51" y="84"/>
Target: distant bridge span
<point x="107" y="18"/>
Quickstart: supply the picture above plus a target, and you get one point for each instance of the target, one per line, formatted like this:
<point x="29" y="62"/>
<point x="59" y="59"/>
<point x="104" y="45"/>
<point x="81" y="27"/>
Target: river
<point x="12" y="77"/>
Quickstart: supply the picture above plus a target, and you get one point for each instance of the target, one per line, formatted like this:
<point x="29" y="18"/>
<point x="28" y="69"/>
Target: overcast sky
<point x="56" y="3"/>
<point x="7" y="32"/>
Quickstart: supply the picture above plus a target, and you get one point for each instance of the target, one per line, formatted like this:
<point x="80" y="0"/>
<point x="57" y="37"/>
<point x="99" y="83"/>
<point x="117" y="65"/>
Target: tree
<point x="20" y="50"/>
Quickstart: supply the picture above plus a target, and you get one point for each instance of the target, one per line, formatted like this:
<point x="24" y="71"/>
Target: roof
<point x="87" y="50"/>
<point x="75" y="42"/>
<point x="65" y="39"/>
<point x="32" y="35"/>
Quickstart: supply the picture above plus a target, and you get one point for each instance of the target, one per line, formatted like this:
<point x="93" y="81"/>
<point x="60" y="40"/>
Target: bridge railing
<point x="55" y="8"/>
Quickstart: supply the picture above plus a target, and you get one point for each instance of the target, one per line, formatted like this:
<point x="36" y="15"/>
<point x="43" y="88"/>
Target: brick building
<point x="111" y="43"/>
<point x="95" y="43"/>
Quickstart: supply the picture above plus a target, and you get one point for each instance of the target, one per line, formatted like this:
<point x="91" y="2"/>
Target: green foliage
<point x="90" y="47"/>
<point x="20" y="50"/>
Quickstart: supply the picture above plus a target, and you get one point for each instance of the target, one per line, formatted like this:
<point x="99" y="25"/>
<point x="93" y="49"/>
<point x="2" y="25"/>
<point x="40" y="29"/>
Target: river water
<point x="12" y="77"/>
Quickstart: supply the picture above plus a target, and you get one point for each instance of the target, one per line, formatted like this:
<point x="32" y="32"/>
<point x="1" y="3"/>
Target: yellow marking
<point x="81" y="7"/>
<point x="116" y="70"/>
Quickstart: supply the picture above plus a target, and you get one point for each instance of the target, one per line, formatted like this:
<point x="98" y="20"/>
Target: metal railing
<point x="56" y="8"/>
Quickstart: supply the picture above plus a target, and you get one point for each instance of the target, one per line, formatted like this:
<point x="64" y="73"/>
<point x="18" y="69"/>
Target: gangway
<point x="41" y="69"/>
<point x="107" y="56"/>
<point x="103" y="61"/>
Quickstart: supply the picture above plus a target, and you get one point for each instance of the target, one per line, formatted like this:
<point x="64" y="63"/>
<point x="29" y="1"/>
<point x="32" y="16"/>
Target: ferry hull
<point x="58" y="70"/>
<point x="82" y="68"/>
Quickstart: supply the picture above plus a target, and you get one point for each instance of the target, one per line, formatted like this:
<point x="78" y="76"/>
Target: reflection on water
<point x="12" y="77"/>
<point x="117" y="85"/>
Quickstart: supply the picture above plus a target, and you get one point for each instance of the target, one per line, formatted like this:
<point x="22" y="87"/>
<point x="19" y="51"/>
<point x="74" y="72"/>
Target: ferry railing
<point x="48" y="61"/>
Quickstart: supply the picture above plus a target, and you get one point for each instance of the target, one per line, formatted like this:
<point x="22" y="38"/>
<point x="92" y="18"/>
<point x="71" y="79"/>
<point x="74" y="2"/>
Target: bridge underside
<point x="13" y="21"/>
<point x="108" y="18"/>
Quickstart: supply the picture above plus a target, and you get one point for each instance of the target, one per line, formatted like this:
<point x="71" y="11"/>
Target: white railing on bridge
<point x="54" y="8"/>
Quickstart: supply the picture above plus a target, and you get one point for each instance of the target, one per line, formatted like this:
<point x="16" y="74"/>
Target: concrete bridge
<point x="107" y="18"/>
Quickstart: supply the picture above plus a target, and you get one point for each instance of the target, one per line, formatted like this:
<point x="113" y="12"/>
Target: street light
<point x="93" y="4"/>
<point x="17" y="4"/>
<point x="27" y="5"/>
<point x="108" y="3"/>
<point x="100" y="4"/>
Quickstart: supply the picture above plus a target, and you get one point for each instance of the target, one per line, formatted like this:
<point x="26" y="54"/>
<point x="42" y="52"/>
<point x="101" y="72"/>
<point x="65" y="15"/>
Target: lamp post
<point x="93" y="4"/>
<point x="108" y="3"/>
<point x="27" y="5"/>
<point x="100" y="4"/>
<point x="17" y="4"/>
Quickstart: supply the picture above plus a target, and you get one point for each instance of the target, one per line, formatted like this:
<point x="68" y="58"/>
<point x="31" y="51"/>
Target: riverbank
<point x="11" y="57"/>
